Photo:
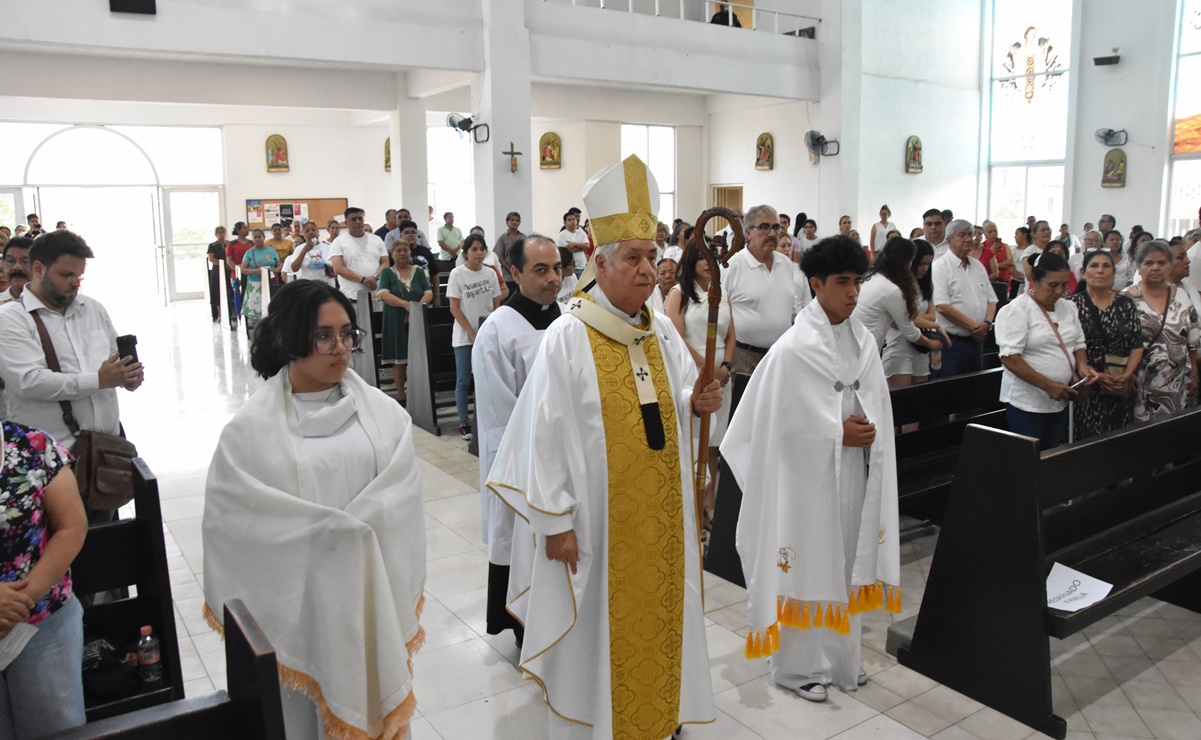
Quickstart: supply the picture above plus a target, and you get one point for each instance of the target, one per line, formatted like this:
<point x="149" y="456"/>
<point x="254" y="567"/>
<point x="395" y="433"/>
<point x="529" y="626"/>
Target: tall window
<point x="451" y="179"/>
<point x="1029" y="111"/>
<point x="655" y="145"/>
<point x="1186" y="151"/>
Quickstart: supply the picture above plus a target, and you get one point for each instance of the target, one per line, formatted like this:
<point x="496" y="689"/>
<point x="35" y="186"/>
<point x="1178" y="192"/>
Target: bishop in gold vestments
<point x="596" y="459"/>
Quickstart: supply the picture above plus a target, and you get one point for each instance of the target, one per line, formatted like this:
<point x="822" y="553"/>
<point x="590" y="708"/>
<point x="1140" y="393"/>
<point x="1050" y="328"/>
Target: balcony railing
<point x="710" y="11"/>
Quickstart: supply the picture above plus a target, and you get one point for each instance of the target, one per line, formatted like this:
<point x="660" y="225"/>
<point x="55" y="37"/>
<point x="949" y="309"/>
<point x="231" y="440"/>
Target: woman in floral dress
<point x="1170" y="334"/>
<point x="42" y="528"/>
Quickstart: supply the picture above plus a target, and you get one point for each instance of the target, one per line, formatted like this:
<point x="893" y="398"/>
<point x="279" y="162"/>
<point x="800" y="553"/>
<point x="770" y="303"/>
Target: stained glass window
<point x="1030" y="52"/>
<point x="1031" y="46"/>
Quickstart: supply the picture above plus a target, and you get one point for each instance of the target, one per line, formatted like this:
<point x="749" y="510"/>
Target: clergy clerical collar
<point x="538" y="315"/>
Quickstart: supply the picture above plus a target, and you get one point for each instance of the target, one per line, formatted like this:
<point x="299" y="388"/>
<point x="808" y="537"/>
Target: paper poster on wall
<point x="285" y="210"/>
<point x="254" y="211"/>
<point x="271" y="213"/>
<point x="301" y="211"/>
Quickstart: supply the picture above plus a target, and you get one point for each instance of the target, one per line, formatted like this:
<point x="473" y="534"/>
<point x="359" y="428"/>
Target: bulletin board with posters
<point x="260" y="214"/>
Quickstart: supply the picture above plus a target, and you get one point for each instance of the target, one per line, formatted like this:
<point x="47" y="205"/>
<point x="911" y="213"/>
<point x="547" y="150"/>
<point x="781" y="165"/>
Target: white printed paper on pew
<point x="1071" y="590"/>
<point x="14" y="642"/>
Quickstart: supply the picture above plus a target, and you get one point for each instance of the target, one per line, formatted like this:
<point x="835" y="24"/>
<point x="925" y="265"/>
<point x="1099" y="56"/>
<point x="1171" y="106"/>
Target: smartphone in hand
<point x="127" y="346"/>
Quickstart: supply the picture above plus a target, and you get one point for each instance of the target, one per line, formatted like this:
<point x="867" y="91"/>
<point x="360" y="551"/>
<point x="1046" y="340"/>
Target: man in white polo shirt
<point x="358" y="256"/>
<point x="964" y="301"/>
<point x="759" y="283"/>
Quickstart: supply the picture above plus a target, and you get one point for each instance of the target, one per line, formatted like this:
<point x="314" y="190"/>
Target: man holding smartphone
<point x="83" y="339"/>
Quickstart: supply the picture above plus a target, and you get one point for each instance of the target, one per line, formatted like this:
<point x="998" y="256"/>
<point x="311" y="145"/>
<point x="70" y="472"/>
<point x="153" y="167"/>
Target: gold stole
<point x="646" y="546"/>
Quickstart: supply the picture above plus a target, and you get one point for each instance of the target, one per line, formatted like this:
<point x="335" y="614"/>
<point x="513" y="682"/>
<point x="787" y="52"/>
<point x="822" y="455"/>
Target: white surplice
<point x="334" y="576"/>
<point x="808" y="502"/>
<point x="501" y="358"/>
<point x="552" y="469"/>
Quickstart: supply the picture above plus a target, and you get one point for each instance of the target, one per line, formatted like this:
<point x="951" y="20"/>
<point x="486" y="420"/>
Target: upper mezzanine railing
<point x="732" y="14"/>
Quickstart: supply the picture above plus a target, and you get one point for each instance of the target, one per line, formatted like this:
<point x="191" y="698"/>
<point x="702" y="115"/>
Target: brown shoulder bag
<point x="103" y="462"/>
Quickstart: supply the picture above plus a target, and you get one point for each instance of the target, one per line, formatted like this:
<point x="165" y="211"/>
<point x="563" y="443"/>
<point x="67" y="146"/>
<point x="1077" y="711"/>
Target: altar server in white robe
<point x="811" y="447"/>
<point x="596" y="460"/>
<point x="313" y="517"/>
<point x="502" y="356"/>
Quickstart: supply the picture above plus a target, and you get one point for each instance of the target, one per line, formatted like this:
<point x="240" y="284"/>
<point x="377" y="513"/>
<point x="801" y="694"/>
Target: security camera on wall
<point x="479" y="131"/>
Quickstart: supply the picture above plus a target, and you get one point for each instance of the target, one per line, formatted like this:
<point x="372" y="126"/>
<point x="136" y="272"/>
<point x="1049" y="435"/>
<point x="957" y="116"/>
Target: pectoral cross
<point x="512" y="154"/>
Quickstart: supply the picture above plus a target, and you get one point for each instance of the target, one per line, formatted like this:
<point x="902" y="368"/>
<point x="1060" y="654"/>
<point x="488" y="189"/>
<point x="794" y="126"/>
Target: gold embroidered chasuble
<point x="646" y="547"/>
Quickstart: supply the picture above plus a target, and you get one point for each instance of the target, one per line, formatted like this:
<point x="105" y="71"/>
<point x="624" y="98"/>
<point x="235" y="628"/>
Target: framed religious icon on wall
<point x="1114" y="173"/>
<point x="765" y="152"/>
<point x="388" y="154"/>
<point x="277" y="153"/>
<point x="913" y="155"/>
<point x="550" y="151"/>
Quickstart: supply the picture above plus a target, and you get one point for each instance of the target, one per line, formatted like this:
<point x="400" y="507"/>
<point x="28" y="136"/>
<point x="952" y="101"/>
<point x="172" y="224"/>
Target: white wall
<point x="554" y="191"/>
<point x="920" y="75"/>
<point x="794" y="183"/>
<point x="324" y="162"/>
<point x="1134" y="95"/>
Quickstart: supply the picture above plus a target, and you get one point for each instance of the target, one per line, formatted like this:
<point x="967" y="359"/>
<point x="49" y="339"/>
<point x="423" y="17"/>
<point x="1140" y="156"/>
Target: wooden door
<point x="725" y="196"/>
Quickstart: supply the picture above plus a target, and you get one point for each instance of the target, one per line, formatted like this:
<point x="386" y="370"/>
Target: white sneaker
<point x="811" y="691"/>
<point x="863" y="678"/>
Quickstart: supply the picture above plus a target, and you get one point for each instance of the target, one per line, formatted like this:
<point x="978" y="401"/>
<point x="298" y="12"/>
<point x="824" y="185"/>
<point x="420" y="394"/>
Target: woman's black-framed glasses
<point x="326" y="343"/>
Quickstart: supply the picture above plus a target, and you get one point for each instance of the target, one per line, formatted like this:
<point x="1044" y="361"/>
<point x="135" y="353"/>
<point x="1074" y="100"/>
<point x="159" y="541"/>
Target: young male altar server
<point x="811" y="446"/>
<point x="501" y="357"/>
<point x="596" y="460"/>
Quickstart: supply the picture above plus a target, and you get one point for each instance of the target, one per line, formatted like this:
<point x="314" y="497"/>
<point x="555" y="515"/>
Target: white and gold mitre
<point x="622" y="202"/>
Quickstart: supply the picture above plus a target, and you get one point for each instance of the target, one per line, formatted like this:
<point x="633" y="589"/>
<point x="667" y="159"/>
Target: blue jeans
<point x="1048" y="429"/>
<point x="42" y="690"/>
<point x="963" y="356"/>
<point x="462" y="380"/>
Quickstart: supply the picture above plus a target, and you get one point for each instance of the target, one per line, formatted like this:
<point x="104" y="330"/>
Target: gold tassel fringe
<point x="831" y="615"/>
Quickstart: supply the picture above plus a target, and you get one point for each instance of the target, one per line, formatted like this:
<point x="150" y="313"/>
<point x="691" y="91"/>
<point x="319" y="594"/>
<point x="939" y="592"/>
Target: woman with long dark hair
<point x="687" y="306"/>
<point x="904" y="362"/>
<point x="889" y="296"/>
<point x="313" y="516"/>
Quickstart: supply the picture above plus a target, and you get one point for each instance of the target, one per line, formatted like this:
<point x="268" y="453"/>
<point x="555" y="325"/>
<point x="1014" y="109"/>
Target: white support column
<point x="410" y="162"/>
<point x="501" y="98"/>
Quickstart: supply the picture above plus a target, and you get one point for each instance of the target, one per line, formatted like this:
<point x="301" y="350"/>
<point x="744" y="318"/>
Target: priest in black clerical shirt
<point x="504" y="350"/>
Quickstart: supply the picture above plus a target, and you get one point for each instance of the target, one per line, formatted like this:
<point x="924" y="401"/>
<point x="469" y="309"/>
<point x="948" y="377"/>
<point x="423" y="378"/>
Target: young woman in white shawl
<point x="313" y="517"/>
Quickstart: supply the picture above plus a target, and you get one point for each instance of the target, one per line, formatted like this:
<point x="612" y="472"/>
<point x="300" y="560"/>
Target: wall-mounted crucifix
<point x="512" y="154"/>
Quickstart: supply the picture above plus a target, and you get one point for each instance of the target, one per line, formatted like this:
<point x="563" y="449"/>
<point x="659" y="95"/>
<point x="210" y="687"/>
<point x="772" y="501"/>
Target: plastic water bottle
<point x="150" y="662"/>
<point x="936" y="360"/>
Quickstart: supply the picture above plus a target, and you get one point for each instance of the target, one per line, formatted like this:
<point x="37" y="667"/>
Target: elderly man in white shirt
<point x="84" y="342"/>
<point x="761" y="288"/>
<point x="964" y="302"/>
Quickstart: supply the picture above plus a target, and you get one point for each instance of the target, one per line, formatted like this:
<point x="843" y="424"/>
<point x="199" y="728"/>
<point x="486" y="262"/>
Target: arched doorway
<point x="106" y="189"/>
<point x="107" y="183"/>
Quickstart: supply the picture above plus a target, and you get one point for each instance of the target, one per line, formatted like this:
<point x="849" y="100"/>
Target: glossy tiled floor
<point x="1137" y="674"/>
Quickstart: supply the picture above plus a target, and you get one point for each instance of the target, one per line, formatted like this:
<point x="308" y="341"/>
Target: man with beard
<point x="83" y="338"/>
<point x="502" y="356"/>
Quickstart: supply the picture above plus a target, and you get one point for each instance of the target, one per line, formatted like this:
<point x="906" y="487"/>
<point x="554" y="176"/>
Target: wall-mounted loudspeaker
<point x="141" y="7"/>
